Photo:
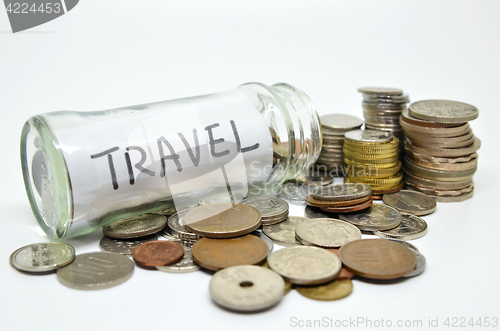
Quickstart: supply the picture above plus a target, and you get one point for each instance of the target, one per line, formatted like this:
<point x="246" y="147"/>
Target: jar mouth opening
<point x="46" y="179"/>
<point x="305" y="135"/>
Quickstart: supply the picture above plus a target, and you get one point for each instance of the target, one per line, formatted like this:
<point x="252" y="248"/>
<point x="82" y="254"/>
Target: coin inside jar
<point x="216" y="254"/>
<point x="222" y="220"/>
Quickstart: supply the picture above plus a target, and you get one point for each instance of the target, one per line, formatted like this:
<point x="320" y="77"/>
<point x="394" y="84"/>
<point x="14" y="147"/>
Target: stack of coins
<point x="342" y="198"/>
<point x="334" y="126"/>
<point x="372" y="157"/>
<point x="382" y="107"/>
<point x="441" y="149"/>
<point x="272" y="210"/>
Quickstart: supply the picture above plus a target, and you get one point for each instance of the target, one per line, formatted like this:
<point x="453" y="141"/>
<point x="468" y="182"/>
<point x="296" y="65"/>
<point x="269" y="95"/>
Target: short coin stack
<point x="334" y="126"/>
<point x="441" y="149"/>
<point x="341" y="198"/>
<point x="372" y="158"/>
<point x="382" y="107"/>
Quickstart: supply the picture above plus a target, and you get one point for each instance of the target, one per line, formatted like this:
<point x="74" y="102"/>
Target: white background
<point x="106" y="54"/>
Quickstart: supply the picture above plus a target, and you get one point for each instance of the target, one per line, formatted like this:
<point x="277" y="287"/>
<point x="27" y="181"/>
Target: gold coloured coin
<point x="335" y="290"/>
<point x="222" y="220"/>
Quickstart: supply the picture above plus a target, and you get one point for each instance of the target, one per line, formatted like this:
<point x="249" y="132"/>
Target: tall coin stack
<point x="334" y="126"/>
<point x="382" y="107"/>
<point x="372" y="157"/>
<point x="441" y="149"/>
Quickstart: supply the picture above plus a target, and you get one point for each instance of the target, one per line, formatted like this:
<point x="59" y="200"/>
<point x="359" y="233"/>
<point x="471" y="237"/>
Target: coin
<point x="377" y="217"/>
<point x="348" y="209"/>
<point x="246" y="288"/>
<point x="407" y="118"/>
<point x="222" y="220"/>
<point x="380" y="90"/>
<point x="135" y="227"/>
<point x="341" y="122"/>
<point x="262" y="236"/>
<point x="411" y="202"/>
<point x="368" y="136"/>
<point x="442" y="175"/>
<point x="42" y="257"/>
<point x="215" y="254"/>
<point x="405" y="243"/>
<point x="272" y="210"/>
<point x="296" y="193"/>
<point x="377" y="258"/>
<point x="168" y="234"/>
<point x="284" y="233"/>
<point x="158" y="253"/>
<point x="313" y="212"/>
<point x="344" y="273"/>
<point x="443" y="111"/>
<point x="324" y="203"/>
<point x="411" y="227"/>
<point x="313" y="177"/>
<point x="176" y="224"/>
<point x="305" y="265"/>
<point x="342" y="192"/>
<point x="96" y="270"/>
<point x="122" y="246"/>
<point x="186" y="264"/>
<point x="326" y="232"/>
<point x="458" y="198"/>
<point x="334" y="290"/>
<point x="441" y="193"/>
<point x="421" y="262"/>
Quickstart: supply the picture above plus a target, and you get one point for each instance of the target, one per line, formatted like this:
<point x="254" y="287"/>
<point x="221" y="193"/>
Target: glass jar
<point x="83" y="170"/>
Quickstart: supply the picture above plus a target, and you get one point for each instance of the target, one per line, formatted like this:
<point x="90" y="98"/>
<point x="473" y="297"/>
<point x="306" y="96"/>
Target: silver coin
<point x="443" y="111"/>
<point x="421" y="262"/>
<point x="177" y="226"/>
<point x="122" y="246"/>
<point x="411" y="227"/>
<point x="380" y="90"/>
<point x="458" y="198"/>
<point x="96" y="270"/>
<point x="135" y="227"/>
<point x="314" y="212"/>
<point x="283" y="233"/>
<point x="185" y="265"/>
<point x="326" y="232"/>
<point x="168" y="234"/>
<point x="42" y="257"/>
<point x="268" y="208"/>
<point x="375" y="218"/>
<point x="314" y="177"/>
<point x="296" y="193"/>
<point x="246" y="288"/>
<point x="342" y="192"/>
<point x="368" y="136"/>
<point x="262" y="236"/>
<point x="406" y="244"/>
<point x="220" y="198"/>
<point x="341" y="122"/>
<point x="305" y="265"/>
<point x="411" y="202"/>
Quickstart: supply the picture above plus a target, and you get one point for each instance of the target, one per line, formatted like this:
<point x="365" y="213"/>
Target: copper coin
<point x="389" y="190"/>
<point x="323" y="203"/>
<point x="344" y="273"/>
<point x="348" y="209"/>
<point x="377" y="197"/>
<point x="158" y="253"/>
<point x="377" y="258"/>
<point x="222" y="220"/>
<point x="216" y="254"/>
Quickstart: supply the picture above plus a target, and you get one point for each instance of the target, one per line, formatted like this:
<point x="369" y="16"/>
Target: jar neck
<point x="295" y="128"/>
<point x="304" y="129"/>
